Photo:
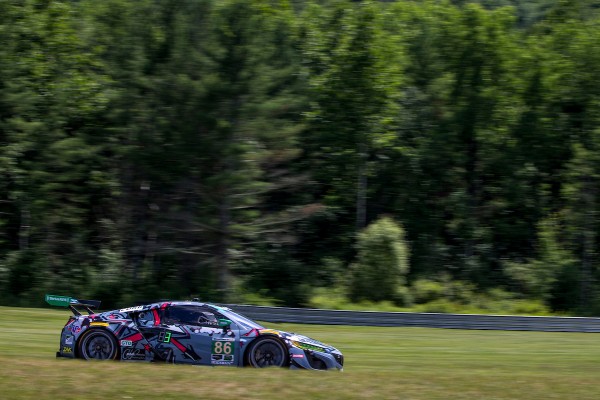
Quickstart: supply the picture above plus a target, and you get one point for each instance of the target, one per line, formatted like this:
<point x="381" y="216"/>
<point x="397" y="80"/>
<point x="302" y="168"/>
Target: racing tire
<point x="98" y="344"/>
<point x="268" y="352"/>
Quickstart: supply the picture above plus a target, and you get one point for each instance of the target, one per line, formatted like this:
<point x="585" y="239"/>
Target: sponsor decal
<point x="49" y="297"/>
<point x="69" y="340"/>
<point x="134" y="354"/>
<point x="126" y="343"/>
<point x="222" y="346"/>
<point x="219" y="359"/>
<point x="67" y="349"/>
<point x="76" y="329"/>
<point x="297" y="355"/>
<point x="130" y="309"/>
<point x="223" y="351"/>
<point x="58" y="299"/>
<point x="104" y="324"/>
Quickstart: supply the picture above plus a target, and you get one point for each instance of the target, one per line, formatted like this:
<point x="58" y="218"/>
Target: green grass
<point x="381" y="363"/>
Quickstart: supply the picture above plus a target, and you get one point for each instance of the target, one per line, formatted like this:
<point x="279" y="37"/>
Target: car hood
<point x="297" y="338"/>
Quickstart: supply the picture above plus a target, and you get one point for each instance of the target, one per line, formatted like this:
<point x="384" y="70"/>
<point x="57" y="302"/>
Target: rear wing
<point x="66" y="301"/>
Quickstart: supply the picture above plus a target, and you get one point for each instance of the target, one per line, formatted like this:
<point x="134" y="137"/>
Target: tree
<point x="207" y="108"/>
<point x="576" y="100"/>
<point x="382" y="262"/>
<point x="56" y="178"/>
<point x="354" y="68"/>
<point x="539" y="277"/>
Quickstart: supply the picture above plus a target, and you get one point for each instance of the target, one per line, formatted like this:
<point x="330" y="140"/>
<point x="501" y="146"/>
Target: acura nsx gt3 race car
<point x="187" y="332"/>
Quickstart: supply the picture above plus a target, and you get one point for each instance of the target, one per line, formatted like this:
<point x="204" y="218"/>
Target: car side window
<point x="146" y="319"/>
<point x="192" y="315"/>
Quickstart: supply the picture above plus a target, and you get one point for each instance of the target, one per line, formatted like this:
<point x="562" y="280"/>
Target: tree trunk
<point x="24" y="228"/>
<point x="588" y="238"/>
<point x="361" y="190"/>
<point x="222" y="256"/>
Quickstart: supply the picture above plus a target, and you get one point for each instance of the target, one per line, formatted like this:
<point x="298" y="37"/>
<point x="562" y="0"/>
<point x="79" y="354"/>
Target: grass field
<point x="381" y="363"/>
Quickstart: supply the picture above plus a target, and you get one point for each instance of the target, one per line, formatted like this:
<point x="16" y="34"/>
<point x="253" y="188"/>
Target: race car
<point x="186" y="332"/>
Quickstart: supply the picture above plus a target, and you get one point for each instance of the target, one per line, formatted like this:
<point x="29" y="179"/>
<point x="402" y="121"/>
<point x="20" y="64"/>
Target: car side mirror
<point x="225" y="324"/>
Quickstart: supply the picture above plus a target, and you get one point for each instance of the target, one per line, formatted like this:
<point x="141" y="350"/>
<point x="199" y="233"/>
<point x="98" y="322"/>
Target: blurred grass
<point x="381" y="363"/>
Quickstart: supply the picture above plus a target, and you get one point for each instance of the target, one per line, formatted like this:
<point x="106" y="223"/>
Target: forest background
<point x="426" y="155"/>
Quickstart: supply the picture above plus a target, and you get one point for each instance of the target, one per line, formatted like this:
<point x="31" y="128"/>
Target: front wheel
<point x="98" y="344"/>
<point x="268" y="352"/>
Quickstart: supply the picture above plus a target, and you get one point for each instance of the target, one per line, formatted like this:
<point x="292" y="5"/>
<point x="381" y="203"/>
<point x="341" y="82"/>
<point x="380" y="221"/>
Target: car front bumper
<point x="316" y="360"/>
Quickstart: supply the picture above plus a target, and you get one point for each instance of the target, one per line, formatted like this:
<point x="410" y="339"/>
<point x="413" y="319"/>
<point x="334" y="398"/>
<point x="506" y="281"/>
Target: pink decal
<point x="254" y="330"/>
<point x="136" y="337"/>
<point x="179" y="345"/>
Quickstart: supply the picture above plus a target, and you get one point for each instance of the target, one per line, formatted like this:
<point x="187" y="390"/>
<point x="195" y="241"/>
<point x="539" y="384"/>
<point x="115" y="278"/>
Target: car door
<point x="193" y="335"/>
<point x="218" y="345"/>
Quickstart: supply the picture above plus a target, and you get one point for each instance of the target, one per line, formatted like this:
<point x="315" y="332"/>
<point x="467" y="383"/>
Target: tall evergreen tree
<point x="354" y="71"/>
<point x="56" y="176"/>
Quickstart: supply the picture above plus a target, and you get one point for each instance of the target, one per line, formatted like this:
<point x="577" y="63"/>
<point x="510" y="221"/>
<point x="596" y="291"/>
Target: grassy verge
<point x="381" y="363"/>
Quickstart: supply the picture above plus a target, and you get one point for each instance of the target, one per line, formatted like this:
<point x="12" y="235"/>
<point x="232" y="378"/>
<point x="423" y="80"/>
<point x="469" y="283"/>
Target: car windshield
<point x="244" y="321"/>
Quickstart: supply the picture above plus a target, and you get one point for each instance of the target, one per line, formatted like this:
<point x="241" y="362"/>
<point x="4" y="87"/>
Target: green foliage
<point x="273" y="273"/>
<point x="439" y="296"/>
<point x="382" y="263"/>
<point x="237" y="149"/>
<point x="448" y="296"/>
<point x="538" y="277"/>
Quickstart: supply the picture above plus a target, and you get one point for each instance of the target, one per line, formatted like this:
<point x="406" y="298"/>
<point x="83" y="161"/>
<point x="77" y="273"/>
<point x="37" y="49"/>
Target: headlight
<point x="307" y="346"/>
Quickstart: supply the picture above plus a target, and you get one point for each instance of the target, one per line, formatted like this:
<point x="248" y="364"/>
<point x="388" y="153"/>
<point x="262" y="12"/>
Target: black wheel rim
<point x="99" y="347"/>
<point x="268" y="354"/>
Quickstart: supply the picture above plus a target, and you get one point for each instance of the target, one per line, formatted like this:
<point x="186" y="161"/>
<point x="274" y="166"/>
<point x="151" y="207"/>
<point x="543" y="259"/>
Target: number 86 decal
<point x="222" y="347"/>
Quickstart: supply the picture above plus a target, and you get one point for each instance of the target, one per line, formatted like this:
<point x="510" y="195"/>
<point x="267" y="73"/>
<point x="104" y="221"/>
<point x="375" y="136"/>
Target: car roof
<point x="164" y="304"/>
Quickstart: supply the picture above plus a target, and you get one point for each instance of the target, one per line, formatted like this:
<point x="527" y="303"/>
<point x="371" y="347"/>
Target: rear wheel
<point x="98" y="344"/>
<point x="268" y="352"/>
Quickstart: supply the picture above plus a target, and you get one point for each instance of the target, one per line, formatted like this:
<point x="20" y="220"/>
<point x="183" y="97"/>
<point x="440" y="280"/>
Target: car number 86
<point x="223" y="348"/>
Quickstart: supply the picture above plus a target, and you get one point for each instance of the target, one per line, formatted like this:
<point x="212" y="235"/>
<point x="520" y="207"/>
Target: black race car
<point x="187" y="332"/>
